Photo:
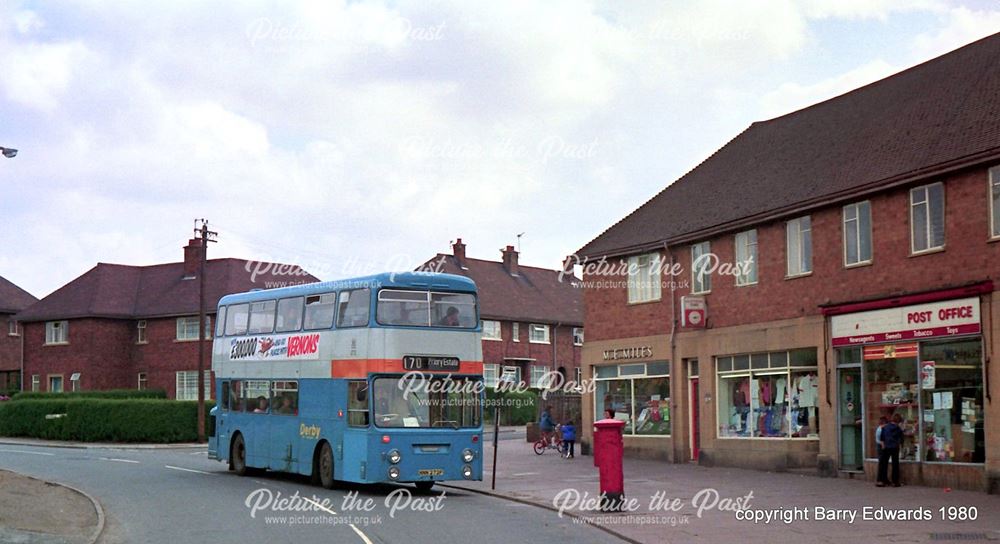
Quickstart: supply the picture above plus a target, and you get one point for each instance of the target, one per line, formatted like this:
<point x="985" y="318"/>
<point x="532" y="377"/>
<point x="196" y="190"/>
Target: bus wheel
<point x="325" y="466"/>
<point x="424" y="487"/>
<point x="238" y="456"/>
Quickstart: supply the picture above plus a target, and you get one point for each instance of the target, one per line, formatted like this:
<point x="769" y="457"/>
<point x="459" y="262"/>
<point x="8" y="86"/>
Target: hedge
<point x="103" y="420"/>
<point x="109" y="394"/>
<point x="510" y="412"/>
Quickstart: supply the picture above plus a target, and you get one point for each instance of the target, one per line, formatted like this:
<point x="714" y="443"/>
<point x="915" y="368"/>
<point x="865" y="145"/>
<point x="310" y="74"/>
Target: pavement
<point x="686" y="502"/>
<point x="34" y="511"/>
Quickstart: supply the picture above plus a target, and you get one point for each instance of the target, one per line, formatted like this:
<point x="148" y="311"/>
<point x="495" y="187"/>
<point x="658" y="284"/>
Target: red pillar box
<point x="608" y="452"/>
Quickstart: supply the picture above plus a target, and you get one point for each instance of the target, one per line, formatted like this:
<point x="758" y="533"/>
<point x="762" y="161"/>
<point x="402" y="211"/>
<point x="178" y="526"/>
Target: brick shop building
<point x="13" y="299"/>
<point x="821" y="270"/>
<point x="125" y="327"/>
<point x="532" y="317"/>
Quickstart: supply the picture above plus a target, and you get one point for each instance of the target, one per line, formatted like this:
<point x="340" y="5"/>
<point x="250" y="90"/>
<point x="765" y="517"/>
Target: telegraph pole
<point x="206" y="236"/>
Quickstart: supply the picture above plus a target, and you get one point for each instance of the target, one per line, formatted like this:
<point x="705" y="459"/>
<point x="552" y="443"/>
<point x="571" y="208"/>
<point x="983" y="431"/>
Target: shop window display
<point x="636" y="393"/>
<point x="780" y="402"/>
<point x="952" y="401"/>
<point x="891" y="388"/>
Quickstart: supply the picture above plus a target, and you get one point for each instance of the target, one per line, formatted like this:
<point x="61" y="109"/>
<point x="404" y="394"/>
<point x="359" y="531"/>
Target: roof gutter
<point x="948" y="167"/>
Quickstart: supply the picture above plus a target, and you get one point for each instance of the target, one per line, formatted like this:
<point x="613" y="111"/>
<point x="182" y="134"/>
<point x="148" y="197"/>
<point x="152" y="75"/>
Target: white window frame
<point x="535" y="327"/>
<point x="142" y="381"/>
<point x="994" y="189"/>
<point x="493" y="331"/>
<point x="140" y="332"/>
<point x="746" y="249"/>
<point x="491" y="375"/>
<point x="538" y="375"/>
<point x="701" y="284"/>
<point x="36" y="382"/>
<point x="857" y="206"/>
<point x="800" y="231"/>
<point x="516" y="370"/>
<point x="644" y="285"/>
<point x="515" y="331"/>
<point x="56" y="333"/>
<point x="578" y="375"/>
<point x="925" y="189"/>
<point x="183" y="379"/>
<point x="12" y="328"/>
<point x="62" y="383"/>
<point x="184" y="331"/>
<point x="577" y="336"/>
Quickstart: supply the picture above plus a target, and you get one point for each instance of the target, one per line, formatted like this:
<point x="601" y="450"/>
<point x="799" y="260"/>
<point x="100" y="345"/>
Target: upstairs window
<point x="798" y="235"/>
<point x="644" y="278"/>
<point x="927" y="218"/>
<point x="701" y="278"/>
<point x="995" y="202"/>
<point x="539" y="334"/>
<point x="858" y="233"/>
<point x="577" y="336"/>
<point x="746" y="257"/>
<point x="515" y="331"/>
<point x="187" y="328"/>
<point x="140" y="331"/>
<point x="57" y="332"/>
<point x="491" y="330"/>
<point x="12" y="327"/>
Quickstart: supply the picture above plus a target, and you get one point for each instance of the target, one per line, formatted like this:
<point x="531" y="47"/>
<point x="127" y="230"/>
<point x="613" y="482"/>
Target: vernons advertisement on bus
<point x="274" y="347"/>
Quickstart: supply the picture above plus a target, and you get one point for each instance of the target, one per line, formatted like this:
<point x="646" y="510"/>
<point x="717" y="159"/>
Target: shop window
<point x="891" y="388"/>
<point x="633" y="395"/>
<point x="768" y="395"/>
<point x="951" y="380"/>
<point x="644" y="278"/>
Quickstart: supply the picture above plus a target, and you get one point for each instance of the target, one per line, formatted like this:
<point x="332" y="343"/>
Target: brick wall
<point x="10" y="347"/>
<point x="567" y="355"/>
<point x="968" y="256"/>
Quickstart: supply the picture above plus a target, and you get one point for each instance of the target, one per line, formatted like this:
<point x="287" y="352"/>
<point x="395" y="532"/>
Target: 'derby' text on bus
<point x="374" y="379"/>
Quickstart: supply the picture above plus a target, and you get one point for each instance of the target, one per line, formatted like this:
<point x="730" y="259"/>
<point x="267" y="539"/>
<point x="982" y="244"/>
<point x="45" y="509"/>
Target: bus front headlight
<point x="467" y="472"/>
<point x="394" y="456"/>
<point x="393" y="473"/>
<point x="468" y="455"/>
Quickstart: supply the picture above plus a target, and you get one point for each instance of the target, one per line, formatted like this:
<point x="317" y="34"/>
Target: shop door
<point x="695" y="432"/>
<point x="850" y="418"/>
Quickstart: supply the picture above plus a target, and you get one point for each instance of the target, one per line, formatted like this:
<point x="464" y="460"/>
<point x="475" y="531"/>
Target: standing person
<point x="545" y="424"/>
<point x="892" y="438"/>
<point x="878" y="436"/>
<point x="569" y="439"/>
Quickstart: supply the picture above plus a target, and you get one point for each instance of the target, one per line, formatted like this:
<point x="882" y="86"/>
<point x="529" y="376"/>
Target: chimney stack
<point x="192" y="258"/>
<point x="510" y="260"/>
<point x="458" y="250"/>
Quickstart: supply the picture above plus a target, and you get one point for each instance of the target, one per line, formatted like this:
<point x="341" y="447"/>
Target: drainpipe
<point x="24" y="332"/>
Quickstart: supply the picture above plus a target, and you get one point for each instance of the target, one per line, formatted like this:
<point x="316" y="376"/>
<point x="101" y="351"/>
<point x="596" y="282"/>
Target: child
<point x="569" y="439"/>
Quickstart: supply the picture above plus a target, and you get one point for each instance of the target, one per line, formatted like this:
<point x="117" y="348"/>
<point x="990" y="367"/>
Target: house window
<point x="636" y="393"/>
<point x="578" y="375"/>
<point x="187" y="385"/>
<point x="539" y="376"/>
<point x="140" y="330"/>
<point x="538" y="334"/>
<point x="56" y="383"/>
<point x="768" y="395"/>
<point x="490" y="377"/>
<point x="74" y="381"/>
<point x="746" y="257"/>
<point x="511" y="374"/>
<point x="643" y="278"/>
<point x="515" y="333"/>
<point x="798" y="236"/>
<point x="35" y="382"/>
<point x="141" y="386"/>
<point x="927" y="218"/>
<point x="701" y="262"/>
<point x="577" y="336"/>
<point x="12" y="327"/>
<point x="858" y="233"/>
<point x="187" y="328"/>
<point x="995" y="202"/>
<point x="491" y="330"/>
<point x="57" y="332"/>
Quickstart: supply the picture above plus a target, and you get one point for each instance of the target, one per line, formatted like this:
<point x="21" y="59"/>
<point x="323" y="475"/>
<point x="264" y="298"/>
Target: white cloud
<point x="793" y="96"/>
<point x="37" y="75"/>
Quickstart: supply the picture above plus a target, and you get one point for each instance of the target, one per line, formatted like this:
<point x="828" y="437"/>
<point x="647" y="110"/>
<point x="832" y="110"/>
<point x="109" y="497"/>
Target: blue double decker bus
<point x="373" y="379"/>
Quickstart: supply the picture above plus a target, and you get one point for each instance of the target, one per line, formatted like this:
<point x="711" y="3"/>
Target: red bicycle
<point x="550" y="440"/>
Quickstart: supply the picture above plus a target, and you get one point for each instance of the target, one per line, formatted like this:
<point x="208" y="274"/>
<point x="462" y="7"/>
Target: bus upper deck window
<point x="454" y="310"/>
<point x="352" y="310"/>
<point x="261" y="317"/>
<point x="220" y="322"/>
<point x="289" y="314"/>
<point x="236" y="319"/>
<point x="319" y="311"/>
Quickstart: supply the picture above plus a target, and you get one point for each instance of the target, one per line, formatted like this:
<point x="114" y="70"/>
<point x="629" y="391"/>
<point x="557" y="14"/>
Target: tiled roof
<point x="12" y="298"/>
<point x="533" y="295"/>
<point x="942" y="114"/>
<point x="120" y="291"/>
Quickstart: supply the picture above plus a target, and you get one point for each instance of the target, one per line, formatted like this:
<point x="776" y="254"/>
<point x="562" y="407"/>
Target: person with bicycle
<point x="546" y="425"/>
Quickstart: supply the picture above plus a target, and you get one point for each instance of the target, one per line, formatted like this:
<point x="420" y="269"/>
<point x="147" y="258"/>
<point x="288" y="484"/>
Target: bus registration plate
<point x="420" y="362"/>
<point x="431" y="472"/>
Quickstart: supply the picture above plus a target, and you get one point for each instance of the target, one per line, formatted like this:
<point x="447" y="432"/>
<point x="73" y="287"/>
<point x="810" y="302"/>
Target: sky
<point x="354" y="137"/>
